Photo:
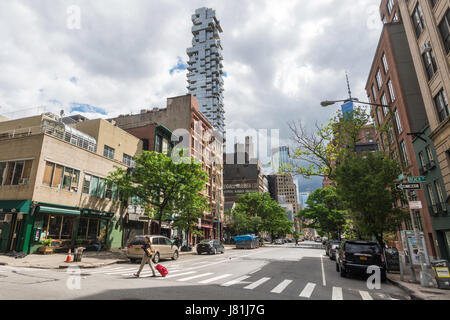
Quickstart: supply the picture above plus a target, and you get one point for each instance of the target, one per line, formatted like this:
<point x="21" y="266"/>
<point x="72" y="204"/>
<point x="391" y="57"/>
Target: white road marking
<point x="324" y="282"/>
<point x="235" y="281"/>
<point x="257" y="283"/>
<point x="337" y="294"/>
<point x="280" y="288"/>
<point x="365" y="295"/>
<point x="104" y="271"/>
<point x="177" y="275"/>
<point x="195" y="277"/>
<point x="122" y="271"/>
<point x="308" y="290"/>
<point x="216" y="278"/>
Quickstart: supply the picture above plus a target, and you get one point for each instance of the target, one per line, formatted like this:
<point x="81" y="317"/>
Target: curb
<point x="411" y="293"/>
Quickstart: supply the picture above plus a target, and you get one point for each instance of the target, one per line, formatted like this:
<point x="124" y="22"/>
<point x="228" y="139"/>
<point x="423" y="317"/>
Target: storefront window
<point x="93" y="229"/>
<point x="67" y="228"/>
<point x="82" y="228"/>
<point x="54" y="227"/>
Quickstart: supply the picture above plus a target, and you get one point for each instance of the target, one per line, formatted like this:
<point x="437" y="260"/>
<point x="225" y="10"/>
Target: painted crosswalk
<point x="308" y="290"/>
<point x="248" y="282"/>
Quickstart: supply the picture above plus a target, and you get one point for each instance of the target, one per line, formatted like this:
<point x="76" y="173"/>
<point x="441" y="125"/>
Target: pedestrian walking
<point x="147" y="258"/>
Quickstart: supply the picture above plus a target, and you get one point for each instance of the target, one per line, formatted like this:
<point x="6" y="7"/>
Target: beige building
<point x="283" y="189"/>
<point x="52" y="182"/>
<point x="427" y="25"/>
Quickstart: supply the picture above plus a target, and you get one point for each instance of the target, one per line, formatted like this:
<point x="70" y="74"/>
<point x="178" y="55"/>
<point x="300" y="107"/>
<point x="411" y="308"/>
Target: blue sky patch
<point x="86" y="108"/>
<point x="74" y="80"/>
<point x="179" y="67"/>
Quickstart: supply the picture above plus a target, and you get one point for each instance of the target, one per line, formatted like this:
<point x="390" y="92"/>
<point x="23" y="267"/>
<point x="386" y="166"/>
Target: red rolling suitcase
<point x="162" y="270"/>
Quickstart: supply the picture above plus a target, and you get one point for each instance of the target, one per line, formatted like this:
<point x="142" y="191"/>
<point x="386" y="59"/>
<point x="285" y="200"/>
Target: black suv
<point x="210" y="247"/>
<point x="356" y="256"/>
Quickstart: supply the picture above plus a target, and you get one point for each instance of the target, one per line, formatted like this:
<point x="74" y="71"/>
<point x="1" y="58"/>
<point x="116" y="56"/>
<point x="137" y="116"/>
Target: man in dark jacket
<point x="147" y="258"/>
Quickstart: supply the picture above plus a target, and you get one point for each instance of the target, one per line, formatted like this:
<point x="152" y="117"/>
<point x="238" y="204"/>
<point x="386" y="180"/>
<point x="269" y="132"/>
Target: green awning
<point x="22" y="206"/>
<point x="44" y="209"/>
<point x="97" y="213"/>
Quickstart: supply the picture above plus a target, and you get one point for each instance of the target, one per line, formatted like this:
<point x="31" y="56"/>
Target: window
<point x="86" y="183"/>
<point x="128" y="160"/>
<point x="390" y="6"/>
<point x="418" y="22"/>
<point x="165" y="147"/>
<point x="431" y="195"/>
<point x="158" y="143"/>
<point x="60" y="177"/>
<point x="385" y="64"/>
<point x="444" y="28"/>
<point x="404" y="153"/>
<point x="379" y="79"/>
<point x="385" y="103"/>
<point x="374" y="93"/>
<point x="429" y="154"/>
<point x="98" y="187"/>
<point x="442" y="105"/>
<point x="380" y="118"/>
<point x="108" y="152"/>
<point x="437" y="185"/>
<point x="391" y="91"/>
<point x="395" y="19"/>
<point x="430" y="63"/>
<point x="15" y="172"/>
<point x="421" y="159"/>
<point x="397" y="121"/>
<point x="418" y="220"/>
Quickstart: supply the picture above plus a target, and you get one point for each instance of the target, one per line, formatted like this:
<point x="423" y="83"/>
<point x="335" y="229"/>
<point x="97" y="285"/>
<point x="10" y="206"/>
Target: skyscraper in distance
<point x="204" y="78"/>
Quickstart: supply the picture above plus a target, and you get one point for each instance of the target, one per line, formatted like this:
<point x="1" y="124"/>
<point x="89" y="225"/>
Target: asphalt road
<point x="281" y="272"/>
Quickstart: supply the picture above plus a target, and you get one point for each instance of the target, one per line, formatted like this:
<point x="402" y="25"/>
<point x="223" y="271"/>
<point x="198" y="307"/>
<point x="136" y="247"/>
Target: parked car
<point x="163" y="246"/>
<point x="210" y="247"/>
<point x="329" y="244"/>
<point x="356" y="256"/>
<point x="279" y="241"/>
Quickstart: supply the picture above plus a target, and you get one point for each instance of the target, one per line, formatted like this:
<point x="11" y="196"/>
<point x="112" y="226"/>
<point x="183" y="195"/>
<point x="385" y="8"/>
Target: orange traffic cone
<point x="69" y="257"/>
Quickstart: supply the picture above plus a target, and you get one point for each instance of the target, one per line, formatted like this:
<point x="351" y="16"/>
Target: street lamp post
<point x="396" y="138"/>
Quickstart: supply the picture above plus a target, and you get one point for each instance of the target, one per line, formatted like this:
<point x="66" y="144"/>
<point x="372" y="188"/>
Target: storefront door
<point x="17" y="220"/>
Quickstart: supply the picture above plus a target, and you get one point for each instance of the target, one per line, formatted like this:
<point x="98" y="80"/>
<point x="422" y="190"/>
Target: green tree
<point x="366" y="184"/>
<point x="325" y="212"/>
<point x="163" y="185"/>
<point x="257" y="213"/>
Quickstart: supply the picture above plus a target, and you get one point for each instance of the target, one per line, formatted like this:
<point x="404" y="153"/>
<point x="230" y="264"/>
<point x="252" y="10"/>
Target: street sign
<point x="407" y="186"/>
<point x="417" y="179"/>
<point x="415" y="205"/>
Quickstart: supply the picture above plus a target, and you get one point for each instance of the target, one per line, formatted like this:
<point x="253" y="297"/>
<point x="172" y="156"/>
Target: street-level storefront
<point x="134" y="225"/>
<point x="54" y="222"/>
<point x="14" y="216"/>
<point x="93" y="227"/>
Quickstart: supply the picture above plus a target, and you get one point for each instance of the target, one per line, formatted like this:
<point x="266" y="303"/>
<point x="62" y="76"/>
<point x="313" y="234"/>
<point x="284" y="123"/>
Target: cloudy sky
<point x="281" y="57"/>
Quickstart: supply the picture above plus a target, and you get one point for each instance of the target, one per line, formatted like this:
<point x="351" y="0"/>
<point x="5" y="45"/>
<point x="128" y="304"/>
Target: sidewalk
<point x="90" y="259"/>
<point x="416" y="291"/>
<point x="57" y="260"/>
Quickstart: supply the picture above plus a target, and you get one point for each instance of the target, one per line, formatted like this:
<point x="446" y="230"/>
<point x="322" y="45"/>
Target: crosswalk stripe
<point x="235" y="281"/>
<point x="365" y="295"/>
<point x="180" y="274"/>
<point x="103" y="270"/>
<point x="280" y="288"/>
<point x="257" y="283"/>
<point x="337" y="294"/>
<point x="216" y="278"/>
<point x="121" y="271"/>
<point x="195" y="277"/>
<point x="308" y="290"/>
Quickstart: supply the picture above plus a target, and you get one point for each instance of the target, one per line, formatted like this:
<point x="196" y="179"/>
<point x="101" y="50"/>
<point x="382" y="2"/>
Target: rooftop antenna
<point x="348" y="86"/>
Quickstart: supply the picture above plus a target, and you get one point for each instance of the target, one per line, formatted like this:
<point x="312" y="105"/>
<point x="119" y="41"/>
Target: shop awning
<point x="22" y="206"/>
<point x="45" y="209"/>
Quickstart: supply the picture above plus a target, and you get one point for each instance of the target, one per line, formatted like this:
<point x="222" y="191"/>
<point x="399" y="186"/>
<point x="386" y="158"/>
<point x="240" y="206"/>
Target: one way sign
<point x="407" y="186"/>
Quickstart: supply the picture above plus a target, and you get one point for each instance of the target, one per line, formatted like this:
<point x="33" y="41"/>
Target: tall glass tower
<point x="204" y="78"/>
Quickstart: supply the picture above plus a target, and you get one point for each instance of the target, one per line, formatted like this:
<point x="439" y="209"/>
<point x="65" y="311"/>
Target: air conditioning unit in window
<point x="426" y="47"/>
<point x="24" y="181"/>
